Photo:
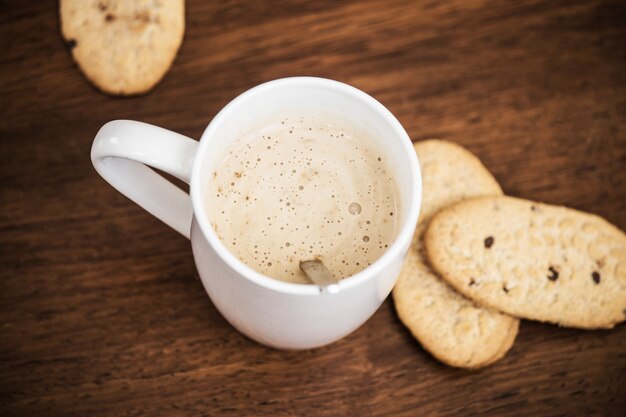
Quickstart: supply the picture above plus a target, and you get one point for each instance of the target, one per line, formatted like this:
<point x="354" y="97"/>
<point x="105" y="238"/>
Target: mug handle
<point x="123" y="152"/>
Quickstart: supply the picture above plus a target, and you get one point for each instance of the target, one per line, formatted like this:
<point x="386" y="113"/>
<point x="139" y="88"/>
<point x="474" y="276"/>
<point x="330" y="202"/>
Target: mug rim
<point x="408" y="225"/>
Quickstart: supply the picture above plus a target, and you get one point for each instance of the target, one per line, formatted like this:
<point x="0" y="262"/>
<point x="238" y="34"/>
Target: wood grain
<point x="102" y="312"/>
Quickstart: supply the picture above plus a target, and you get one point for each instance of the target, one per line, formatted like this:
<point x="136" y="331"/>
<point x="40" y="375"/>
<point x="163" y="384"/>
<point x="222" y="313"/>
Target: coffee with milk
<point x="304" y="186"/>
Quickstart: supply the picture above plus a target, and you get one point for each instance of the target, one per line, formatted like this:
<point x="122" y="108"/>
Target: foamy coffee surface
<point x="301" y="187"/>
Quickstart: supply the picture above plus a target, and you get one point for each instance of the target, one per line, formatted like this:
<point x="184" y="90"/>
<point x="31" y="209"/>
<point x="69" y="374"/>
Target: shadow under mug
<point x="272" y="312"/>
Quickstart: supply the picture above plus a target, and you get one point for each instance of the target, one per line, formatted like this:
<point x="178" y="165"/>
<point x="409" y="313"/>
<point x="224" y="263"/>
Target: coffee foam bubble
<point x="300" y="188"/>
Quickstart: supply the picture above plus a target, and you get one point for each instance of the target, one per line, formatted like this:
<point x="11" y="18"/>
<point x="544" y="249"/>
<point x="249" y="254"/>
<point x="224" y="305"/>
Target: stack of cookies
<point x="480" y="261"/>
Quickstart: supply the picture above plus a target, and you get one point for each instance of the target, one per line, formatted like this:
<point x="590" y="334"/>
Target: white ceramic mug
<point x="272" y="312"/>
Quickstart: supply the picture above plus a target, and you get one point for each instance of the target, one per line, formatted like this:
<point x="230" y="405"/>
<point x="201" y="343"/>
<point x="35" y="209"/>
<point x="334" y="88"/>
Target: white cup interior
<point x="288" y="94"/>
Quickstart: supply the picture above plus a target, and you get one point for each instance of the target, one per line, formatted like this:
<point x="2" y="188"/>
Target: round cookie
<point x="454" y="329"/>
<point x="124" y="47"/>
<point x="451" y="327"/>
<point x="532" y="260"/>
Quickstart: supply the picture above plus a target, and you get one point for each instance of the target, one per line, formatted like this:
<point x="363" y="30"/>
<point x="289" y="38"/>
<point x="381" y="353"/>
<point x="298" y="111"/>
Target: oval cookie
<point x="532" y="260"/>
<point x="124" y="47"/>
<point x="451" y="327"/>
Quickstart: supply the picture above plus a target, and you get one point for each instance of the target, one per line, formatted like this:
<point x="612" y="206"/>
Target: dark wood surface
<point x="101" y="309"/>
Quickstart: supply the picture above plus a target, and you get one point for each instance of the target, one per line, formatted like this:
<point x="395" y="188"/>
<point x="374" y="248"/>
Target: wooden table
<point x="101" y="309"/>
